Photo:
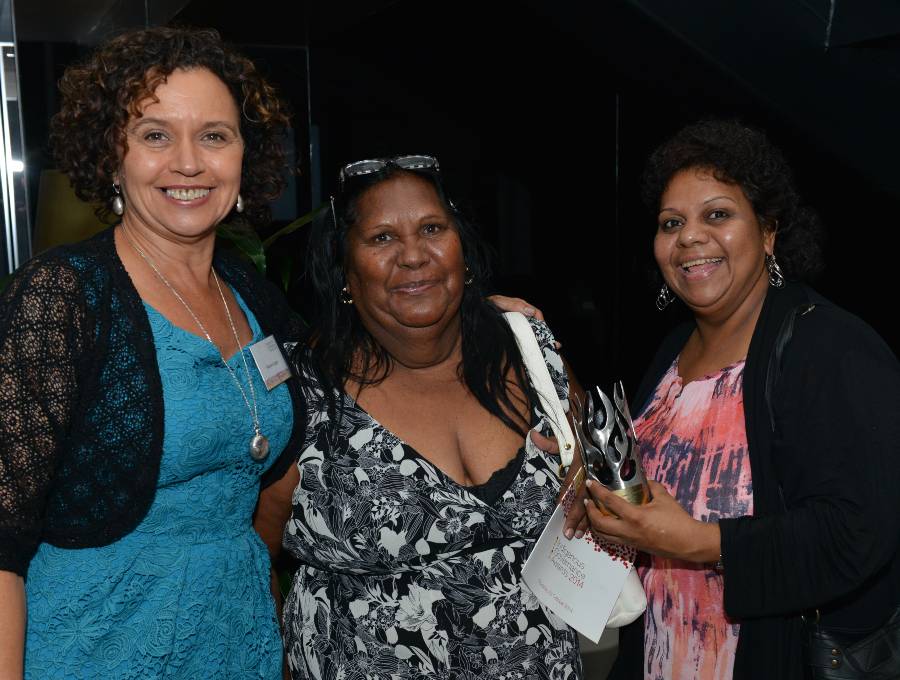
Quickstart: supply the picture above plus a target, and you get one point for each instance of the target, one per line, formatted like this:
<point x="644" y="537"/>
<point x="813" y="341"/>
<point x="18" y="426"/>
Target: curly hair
<point x="737" y="154"/>
<point x="101" y="94"/>
<point x="341" y="347"/>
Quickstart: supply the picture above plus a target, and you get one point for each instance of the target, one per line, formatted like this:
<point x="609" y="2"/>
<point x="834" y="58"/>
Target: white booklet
<point x="580" y="579"/>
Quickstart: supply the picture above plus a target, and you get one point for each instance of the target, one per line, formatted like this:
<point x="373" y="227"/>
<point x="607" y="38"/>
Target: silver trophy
<point x="608" y="445"/>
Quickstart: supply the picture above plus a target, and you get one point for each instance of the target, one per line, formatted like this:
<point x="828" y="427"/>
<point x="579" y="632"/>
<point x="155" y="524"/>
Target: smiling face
<point x="181" y="173"/>
<point x="404" y="262"/>
<point x="710" y="246"/>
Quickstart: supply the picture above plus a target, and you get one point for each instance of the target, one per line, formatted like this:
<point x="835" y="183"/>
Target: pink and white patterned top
<point x="693" y="441"/>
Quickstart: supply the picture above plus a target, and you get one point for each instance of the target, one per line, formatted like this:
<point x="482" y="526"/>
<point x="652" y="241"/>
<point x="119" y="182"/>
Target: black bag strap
<point x="773" y="370"/>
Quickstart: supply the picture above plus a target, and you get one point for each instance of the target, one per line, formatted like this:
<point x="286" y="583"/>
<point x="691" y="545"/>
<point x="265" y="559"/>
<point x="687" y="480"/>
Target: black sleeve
<point x="42" y="332"/>
<point x="288" y="327"/>
<point x="836" y="451"/>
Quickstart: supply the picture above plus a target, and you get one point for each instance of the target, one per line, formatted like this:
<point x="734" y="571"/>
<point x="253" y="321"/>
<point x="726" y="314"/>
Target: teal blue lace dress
<point x="186" y="594"/>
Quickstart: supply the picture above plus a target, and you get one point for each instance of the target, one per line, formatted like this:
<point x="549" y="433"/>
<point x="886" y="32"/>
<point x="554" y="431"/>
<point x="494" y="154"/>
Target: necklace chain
<point x="254" y="413"/>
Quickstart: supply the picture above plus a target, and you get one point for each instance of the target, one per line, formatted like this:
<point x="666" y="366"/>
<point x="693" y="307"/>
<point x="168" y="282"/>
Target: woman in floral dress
<point x="417" y="496"/>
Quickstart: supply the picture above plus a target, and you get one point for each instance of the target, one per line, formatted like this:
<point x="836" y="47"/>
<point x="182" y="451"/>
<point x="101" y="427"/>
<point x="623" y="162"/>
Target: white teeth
<point x="705" y="260"/>
<point x="186" y="194"/>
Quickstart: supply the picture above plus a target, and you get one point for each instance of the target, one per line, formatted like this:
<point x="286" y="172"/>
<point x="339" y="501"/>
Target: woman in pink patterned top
<point x="747" y="420"/>
<point x="692" y="440"/>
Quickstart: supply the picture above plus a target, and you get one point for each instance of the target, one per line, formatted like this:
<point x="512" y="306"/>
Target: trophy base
<point x="636" y="495"/>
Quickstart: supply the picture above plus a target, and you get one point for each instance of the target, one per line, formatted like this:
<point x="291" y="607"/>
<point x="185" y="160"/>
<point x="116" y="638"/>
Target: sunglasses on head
<point x="367" y="167"/>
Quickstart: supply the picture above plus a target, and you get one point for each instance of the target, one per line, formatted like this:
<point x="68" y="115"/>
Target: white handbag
<point x="632" y="600"/>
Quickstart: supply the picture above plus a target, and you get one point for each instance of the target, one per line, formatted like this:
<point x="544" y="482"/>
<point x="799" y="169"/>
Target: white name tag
<point x="270" y="362"/>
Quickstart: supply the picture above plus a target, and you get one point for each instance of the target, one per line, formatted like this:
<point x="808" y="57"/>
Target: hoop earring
<point x="776" y="277"/>
<point x="345" y="296"/>
<point x="239" y="206"/>
<point x="470" y="277"/>
<point x="118" y="203"/>
<point x="664" y="298"/>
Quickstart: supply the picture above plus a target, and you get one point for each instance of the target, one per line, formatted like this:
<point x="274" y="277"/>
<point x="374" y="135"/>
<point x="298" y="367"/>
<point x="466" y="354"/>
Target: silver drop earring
<point x="118" y="203"/>
<point x="776" y="277"/>
<point x="239" y="206"/>
<point x="664" y="298"/>
<point x="345" y="296"/>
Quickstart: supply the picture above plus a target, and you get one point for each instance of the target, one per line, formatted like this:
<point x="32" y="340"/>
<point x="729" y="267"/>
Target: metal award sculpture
<point x="608" y="450"/>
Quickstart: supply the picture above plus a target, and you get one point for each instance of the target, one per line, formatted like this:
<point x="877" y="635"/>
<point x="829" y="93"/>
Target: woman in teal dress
<point x="135" y="427"/>
<point x="186" y="593"/>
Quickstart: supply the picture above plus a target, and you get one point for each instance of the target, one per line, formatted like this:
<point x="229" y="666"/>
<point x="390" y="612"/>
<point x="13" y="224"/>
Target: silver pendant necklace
<point x="259" y="443"/>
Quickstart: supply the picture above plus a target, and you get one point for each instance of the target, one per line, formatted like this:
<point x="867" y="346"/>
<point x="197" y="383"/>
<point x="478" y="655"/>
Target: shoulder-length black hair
<point x="340" y="348"/>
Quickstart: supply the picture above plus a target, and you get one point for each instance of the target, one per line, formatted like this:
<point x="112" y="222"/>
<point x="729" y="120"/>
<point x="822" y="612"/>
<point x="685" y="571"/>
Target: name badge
<point x="270" y="362"/>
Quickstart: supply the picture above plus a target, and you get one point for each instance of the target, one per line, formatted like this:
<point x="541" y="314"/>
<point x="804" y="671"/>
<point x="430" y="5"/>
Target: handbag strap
<point x="543" y="385"/>
<point x="782" y="340"/>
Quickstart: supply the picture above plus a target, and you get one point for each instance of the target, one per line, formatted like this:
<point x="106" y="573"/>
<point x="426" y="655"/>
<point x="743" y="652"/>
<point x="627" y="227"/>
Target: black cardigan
<point x="826" y="518"/>
<point x="81" y="409"/>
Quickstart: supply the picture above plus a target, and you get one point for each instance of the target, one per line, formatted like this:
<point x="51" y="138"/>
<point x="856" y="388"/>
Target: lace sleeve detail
<point x="552" y="358"/>
<point x="42" y="332"/>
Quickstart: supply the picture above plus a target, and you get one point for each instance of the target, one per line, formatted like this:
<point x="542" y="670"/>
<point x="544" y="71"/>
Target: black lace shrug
<point x="81" y="409"/>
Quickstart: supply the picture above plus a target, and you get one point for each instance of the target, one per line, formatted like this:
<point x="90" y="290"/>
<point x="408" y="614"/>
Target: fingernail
<point x="579" y="533"/>
<point x="589" y="483"/>
<point x="529" y="311"/>
<point x="568" y="533"/>
<point x="587" y="502"/>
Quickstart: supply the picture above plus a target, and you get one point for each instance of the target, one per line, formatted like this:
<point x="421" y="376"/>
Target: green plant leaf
<point x="285" y="267"/>
<point x="246" y="241"/>
<point x="249" y="244"/>
<point x="295" y="225"/>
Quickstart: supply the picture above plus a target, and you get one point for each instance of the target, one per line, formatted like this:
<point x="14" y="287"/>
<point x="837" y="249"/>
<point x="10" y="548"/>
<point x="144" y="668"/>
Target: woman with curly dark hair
<point x="770" y="424"/>
<point x="136" y="430"/>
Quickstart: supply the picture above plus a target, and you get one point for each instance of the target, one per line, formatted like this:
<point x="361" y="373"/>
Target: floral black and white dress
<point x="407" y="574"/>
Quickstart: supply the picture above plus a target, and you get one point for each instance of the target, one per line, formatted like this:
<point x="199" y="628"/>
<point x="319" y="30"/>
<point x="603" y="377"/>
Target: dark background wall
<point x="542" y="114"/>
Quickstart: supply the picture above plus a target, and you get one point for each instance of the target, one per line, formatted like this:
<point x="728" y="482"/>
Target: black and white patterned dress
<point x="407" y="574"/>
